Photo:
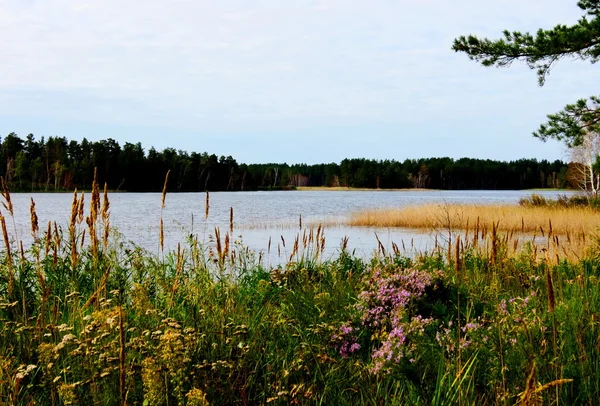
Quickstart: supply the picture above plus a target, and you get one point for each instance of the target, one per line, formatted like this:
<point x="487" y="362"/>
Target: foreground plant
<point x="92" y="320"/>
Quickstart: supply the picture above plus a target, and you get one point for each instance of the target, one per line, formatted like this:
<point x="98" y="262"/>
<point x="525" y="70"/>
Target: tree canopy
<point x="540" y="52"/>
<point x="58" y="164"/>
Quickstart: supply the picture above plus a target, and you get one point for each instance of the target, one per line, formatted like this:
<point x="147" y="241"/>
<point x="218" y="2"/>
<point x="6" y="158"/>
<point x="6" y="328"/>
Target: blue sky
<point x="282" y="81"/>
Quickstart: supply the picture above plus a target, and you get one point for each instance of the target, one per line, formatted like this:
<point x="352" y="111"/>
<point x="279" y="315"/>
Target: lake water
<point x="258" y="216"/>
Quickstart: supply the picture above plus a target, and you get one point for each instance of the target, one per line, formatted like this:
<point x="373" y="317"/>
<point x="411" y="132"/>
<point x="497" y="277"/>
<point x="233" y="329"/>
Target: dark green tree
<point x="540" y="52"/>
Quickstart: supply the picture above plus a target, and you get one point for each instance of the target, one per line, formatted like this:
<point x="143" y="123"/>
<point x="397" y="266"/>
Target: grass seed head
<point x="164" y="190"/>
<point x="34" y="220"/>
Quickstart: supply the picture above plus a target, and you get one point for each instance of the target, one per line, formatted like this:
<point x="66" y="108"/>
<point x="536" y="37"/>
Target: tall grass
<point x="508" y="218"/>
<point x="563" y="201"/>
<point x="202" y="325"/>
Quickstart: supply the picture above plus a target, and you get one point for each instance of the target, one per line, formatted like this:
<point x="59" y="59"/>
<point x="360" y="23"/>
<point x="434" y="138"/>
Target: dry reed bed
<point x="505" y="218"/>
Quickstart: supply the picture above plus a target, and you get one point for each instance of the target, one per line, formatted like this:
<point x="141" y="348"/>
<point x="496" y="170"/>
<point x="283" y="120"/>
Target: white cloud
<point x="236" y="64"/>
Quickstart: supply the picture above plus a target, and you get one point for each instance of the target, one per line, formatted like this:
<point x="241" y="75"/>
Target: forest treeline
<point x="57" y="164"/>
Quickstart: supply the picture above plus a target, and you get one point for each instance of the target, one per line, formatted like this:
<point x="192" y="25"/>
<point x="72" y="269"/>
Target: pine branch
<point x="539" y="52"/>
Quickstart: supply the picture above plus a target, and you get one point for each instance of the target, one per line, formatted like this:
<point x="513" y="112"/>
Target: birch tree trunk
<point x="585" y="174"/>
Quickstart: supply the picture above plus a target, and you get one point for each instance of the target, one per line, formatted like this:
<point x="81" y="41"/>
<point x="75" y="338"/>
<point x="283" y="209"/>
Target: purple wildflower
<point x="345" y="341"/>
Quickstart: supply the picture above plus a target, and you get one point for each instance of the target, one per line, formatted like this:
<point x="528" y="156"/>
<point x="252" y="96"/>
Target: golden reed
<point x="507" y="218"/>
<point x="207" y="207"/>
<point x="35" y="228"/>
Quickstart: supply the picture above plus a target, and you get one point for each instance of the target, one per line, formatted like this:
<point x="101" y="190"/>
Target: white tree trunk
<point x="585" y="156"/>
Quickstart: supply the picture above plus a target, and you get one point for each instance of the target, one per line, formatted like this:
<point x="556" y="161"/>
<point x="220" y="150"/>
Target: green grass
<point x="118" y="324"/>
<point x="562" y="201"/>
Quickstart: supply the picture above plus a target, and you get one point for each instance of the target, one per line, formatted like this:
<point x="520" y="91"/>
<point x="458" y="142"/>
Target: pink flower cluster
<point x="387" y="293"/>
<point x="384" y="306"/>
<point x="397" y="344"/>
<point x="345" y="341"/>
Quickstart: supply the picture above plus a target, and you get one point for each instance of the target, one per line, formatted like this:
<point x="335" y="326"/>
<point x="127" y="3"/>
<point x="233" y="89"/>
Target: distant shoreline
<point x="298" y="188"/>
<point x="351" y="189"/>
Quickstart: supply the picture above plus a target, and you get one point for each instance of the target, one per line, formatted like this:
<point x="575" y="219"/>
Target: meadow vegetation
<point x="88" y="319"/>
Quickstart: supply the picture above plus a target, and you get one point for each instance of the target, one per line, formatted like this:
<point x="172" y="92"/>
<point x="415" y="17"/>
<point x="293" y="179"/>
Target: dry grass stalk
<point x="48" y="238"/>
<point x="93" y="217"/>
<point x="106" y="233"/>
<point x="380" y="245"/>
<point x="105" y="203"/>
<point x="161" y="233"/>
<point x="207" y="205"/>
<point x="80" y="209"/>
<point x="34" y="221"/>
<point x="92" y="230"/>
<point x="164" y="191"/>
<point x="105" y="216"/>
<point x="11" y="276"/>
<point x="57" y="237"/>
<point x="300" y="222"/>
<point x="72" y="228"/>
<point x="161" y="230"/>
<point x="512" y="218"/>
<point x="231" y="220"/>
<point x="295" y="248"/>
<point x="529" y="395"/>
<point x="218" y="244"/>
<point x="74" y="256"/>
<point x="94" y="297"/>
<point x="74" y="212"/>
<point x="6" y="194"/>
<point x="95" y="203"/>
<point x="22" y="251"/>
<point x="344" y="244"/>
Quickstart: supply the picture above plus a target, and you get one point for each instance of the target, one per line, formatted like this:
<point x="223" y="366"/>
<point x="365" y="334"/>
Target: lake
<point x="258" y="216"/>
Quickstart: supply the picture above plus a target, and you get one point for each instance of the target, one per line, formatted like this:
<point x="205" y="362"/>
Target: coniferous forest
<point x="58" y="164"/>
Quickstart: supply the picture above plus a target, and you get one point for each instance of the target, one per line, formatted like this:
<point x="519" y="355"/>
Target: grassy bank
<point x="89" y="320"/>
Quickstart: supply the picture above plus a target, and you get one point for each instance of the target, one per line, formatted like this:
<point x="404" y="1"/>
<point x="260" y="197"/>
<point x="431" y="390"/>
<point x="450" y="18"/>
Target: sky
<point x="296" y="81"/>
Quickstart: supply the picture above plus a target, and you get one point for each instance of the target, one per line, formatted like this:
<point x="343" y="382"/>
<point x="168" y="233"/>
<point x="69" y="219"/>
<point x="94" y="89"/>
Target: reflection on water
<point x="258" y="216"/>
